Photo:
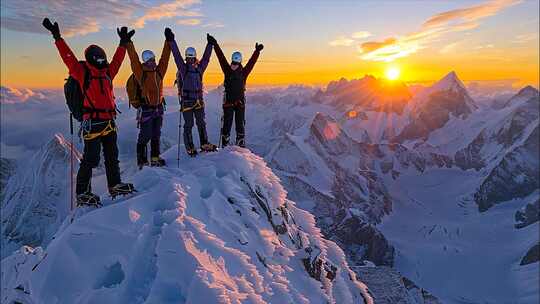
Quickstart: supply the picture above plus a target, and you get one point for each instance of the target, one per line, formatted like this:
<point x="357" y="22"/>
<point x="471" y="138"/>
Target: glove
<point x="53" y="28"/>
<point x="211" y="40"/>
<point x="125" y="36"/>
<point x="169" y="35"/>
<point x="259" y="47"/>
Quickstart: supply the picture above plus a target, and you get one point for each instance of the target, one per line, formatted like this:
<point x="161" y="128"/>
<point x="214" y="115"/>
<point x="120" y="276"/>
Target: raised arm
<point x="203" y="64"/>
<point x="225" y="67"/>
<point x="180" y="64"/>
<point x="164" y="59"/>
<point x="136" y="65"/>
<point x="69" y="59"/>
<point x="251" y="62"/>
<point x="120" y="53"/>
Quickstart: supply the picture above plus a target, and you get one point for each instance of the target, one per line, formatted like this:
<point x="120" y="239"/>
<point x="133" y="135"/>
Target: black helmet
<point x="96" y="56"/>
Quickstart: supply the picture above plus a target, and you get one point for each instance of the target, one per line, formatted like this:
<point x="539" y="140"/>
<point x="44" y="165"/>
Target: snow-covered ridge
<point x="36" y="197"/>
<point x="218" y="230"/>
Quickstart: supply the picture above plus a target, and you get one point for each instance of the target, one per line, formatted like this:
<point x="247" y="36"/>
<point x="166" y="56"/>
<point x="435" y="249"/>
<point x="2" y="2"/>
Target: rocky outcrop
<point x="516" y="175"/>
<point x="528" y="215"/>
<point x="7" y="169"/>
<point x="532" y="255"/>
<point x="388" y="286"/>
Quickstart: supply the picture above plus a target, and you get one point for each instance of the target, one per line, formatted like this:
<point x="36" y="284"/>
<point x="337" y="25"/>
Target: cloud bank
<point x="84" y="17"/>
<point x="458" y="20"/>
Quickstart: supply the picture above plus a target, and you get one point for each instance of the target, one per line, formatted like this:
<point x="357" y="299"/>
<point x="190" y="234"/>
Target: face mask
<point x="96" y="57"/>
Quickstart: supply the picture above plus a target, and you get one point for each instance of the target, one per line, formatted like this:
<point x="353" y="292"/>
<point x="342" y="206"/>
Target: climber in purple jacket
<point x="190" y="92"/>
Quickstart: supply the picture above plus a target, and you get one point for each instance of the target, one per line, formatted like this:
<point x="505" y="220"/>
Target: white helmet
<point x="148" y="55"/>
<point x="236" y="57"/>
<point x="191" y="53"/>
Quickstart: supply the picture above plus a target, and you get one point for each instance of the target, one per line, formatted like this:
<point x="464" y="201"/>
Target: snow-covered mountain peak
<point x="449" y="82"/>
<point x="42" y="183"/>
<point x="526" y="94"/>
<point x="529" y="91"/>
<point x="218" y="230"/>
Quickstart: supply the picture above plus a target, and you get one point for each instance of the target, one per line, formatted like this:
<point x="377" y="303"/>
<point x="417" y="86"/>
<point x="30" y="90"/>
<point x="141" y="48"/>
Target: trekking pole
<point x="179" y="135"/>
<point x="71" y="162"/>
<point x="220" y="144"/>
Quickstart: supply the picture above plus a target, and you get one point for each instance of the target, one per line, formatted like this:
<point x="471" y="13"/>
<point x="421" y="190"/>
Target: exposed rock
<point x="528" y="215"/>
<point x="516" y="175"/>
<point x="532" y="255"/>
<point x="7" y="169"/>
<point x="387" y="286"/>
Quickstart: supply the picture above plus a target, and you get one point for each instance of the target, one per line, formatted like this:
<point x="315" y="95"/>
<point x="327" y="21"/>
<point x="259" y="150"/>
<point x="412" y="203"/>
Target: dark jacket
<point x="242" y="71"/>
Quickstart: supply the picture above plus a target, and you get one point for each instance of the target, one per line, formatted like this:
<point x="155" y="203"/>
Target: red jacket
<point x="100" y="94"/>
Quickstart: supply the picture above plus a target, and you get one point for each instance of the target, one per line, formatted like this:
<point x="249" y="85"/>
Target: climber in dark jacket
<point x="190" y="79"/>
<point x="234" y="99"/>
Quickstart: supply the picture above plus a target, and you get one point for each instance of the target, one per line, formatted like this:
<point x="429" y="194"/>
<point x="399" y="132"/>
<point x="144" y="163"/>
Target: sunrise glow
<point x="392" y="73"/>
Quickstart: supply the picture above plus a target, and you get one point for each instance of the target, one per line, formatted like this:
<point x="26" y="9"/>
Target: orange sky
<point x="480" y="40"/>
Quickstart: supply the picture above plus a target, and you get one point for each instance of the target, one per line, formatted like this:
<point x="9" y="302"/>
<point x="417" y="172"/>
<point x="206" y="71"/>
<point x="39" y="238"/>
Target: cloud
<point x="213" y="25"/>
<point x="361" y="35"/>
<point x="178" y="8"/>
<point x="346" y="41"/>
<point x="191" y="21"/>
<point x="342" y="41"/>
<point x="469" y="14"/>
<point x="432" y="29"/>
<point x="524" y="38"/>
<point x="84" y="17"/>
<point x="375" y="45"/>
<point x="449" y="48"/>
<point x="12" y="95"/>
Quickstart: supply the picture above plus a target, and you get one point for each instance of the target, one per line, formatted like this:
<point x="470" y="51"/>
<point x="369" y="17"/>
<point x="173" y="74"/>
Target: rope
<point x="198" y="105"/>
<point x="108" y="129"/>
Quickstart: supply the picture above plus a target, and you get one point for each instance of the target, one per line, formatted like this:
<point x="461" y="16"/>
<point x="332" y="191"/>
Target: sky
<point x="306" y="42"/>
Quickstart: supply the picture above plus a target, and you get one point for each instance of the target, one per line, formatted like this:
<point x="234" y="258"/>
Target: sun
<point x="392" y="73"/>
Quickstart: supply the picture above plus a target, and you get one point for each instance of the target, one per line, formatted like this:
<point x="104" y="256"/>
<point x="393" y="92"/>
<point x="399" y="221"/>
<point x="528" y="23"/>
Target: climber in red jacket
<point x="99" y="108"/>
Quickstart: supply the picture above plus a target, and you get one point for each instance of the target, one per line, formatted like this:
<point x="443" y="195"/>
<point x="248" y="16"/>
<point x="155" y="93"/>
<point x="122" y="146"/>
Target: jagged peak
<point x="528" y="91"/>
<point x="449" y="82"/>
<point x="325" y="124"/>
<point x="61" y="147"/>
<point x="525" y="94"/>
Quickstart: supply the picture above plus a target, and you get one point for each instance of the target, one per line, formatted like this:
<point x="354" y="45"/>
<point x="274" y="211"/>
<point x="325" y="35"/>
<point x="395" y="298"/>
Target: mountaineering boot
<point x="225" y="140"/>
<point x="157" y="162"/>
<point x="208" y="147"/>
<point x="241" y="142"/>
<point x="190" y="149"/>
<point x="191" y="152"/>
<point x="88" y="199"/>
<point x="121" y="189"/>
<point x="142" y="159"/>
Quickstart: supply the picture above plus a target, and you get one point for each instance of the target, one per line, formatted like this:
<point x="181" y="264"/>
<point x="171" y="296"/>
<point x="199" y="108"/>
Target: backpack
<point x="75" y="94"/>
<point x="179" y="82"/>
<point x="134" y="90"/>
<point x="235" y="86"/>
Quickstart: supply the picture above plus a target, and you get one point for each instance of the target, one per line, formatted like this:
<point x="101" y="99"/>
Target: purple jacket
<point x="192" y="75"/>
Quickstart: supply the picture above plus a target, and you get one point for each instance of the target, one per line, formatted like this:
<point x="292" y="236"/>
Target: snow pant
<point x="150" y="123"/>
<point x="194" y="114"/>
<point x="236" y="112"/>
<point x="92" y="149"/>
